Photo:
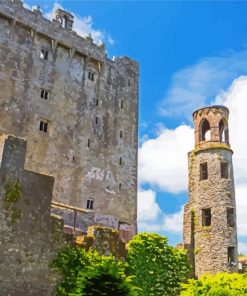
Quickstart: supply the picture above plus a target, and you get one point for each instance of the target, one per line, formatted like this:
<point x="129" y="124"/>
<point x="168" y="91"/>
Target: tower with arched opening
<point x="210" y="233"/>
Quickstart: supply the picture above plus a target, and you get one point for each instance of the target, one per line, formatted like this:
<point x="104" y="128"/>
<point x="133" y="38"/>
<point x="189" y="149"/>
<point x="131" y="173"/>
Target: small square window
<point x="44" y="54"/>
<point x="43" y="126"/>
<point x="231" y="255"/>
<point x="44" y="94"/>
<point x="90" y="204"/>
<point x="224" y="170"/>
<point x="203" y="171"/>
<point x="230" y="217"/>
<point x="90" y="76"/>
<point x="206" y="217"/>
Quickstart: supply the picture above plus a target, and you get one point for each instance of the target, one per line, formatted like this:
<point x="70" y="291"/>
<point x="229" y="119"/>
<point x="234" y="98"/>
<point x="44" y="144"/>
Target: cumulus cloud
<point x="197" y="85"/>
<point x="148" y="209"/>
<point x="83" y="26"/>
<point x="174" y="222"/>
<point x="152" y="219"/>
<point x="163" y="160"/>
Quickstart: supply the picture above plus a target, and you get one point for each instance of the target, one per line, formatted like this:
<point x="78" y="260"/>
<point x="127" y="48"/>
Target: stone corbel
<point x="12" y="28"/>
<point x="71" y="52"/>
<point x="54" y="45"/>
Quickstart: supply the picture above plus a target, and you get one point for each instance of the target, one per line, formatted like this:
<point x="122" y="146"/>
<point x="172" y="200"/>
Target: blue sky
<point x="191" y="54"/>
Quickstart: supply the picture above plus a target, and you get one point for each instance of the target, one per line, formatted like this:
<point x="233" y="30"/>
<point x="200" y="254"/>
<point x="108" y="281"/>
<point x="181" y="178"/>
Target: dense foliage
<point x="88" y="273"/>
<point x="221" y="284"/>
<point x="158" y="268"/>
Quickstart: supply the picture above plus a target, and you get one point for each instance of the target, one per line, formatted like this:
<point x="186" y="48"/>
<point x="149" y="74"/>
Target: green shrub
<point x="88" y="273"/>
<point x="158" y="268"/>
<point x="221" y="284"/>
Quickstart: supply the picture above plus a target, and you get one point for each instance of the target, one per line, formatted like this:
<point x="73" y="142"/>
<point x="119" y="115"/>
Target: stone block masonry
<point x="77" y="108"/>
<point x="29" y="236"/>
<point x="210" y="232"/>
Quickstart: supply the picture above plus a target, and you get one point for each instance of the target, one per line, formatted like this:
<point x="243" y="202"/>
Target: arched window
<point x="205" y="131"/>
<point x="223" y="131"/>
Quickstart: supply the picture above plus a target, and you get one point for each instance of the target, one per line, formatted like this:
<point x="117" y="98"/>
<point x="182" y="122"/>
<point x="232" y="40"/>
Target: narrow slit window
<point x="206" y="217"/>
<point x="224" y="170"/>
<point x="231" y="257"/>
<point x="121" y="104"/>
<point x="129" y="82"/>
<point x="121" y="134"/>
<point x="230" y="217"/>
<point x="44" y="94"/>
<point x="203" y="171"/>
<point x="97" y="102"/>
<point x="90" y="204"/>
<point x="120" y="160"/>
<point x="88" y="143"/>
<point x="120" y="186"/>
<point x="44" y="54"/>
<point x="43" y="126"/>
<point x="90" y="76"/>
<point x="96" y="120"/>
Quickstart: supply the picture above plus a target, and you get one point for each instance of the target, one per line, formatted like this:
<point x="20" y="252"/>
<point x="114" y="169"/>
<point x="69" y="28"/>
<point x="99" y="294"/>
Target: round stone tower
<point x="210" y="233"/>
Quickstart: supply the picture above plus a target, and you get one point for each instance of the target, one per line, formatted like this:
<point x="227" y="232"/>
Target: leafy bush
<point x="221" y="284"/>
<point x="88" y="273"/>
<point x="158" y="268"/>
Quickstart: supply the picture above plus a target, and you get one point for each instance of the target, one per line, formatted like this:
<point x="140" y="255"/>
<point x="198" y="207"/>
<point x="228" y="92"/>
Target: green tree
<point x="89" y="273"/>
<point x="158" y="268"/>
<point x="221" y="284"/>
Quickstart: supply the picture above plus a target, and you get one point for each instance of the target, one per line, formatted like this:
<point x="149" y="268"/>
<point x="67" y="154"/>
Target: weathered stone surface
<point x="208" y="245"/>
<point x="90" y="146"/>
<point x="105" y="240"/>
<point x="29" y="237"/>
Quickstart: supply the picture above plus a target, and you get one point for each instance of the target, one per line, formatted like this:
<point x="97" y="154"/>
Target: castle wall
<point x="91" y="144"/>
<point x="29" y="238"/>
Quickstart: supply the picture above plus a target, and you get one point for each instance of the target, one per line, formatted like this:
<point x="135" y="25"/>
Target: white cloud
<point x="163" y="161"/>
<point x="242" y="248"/>
<point x="83" y="26"/>
<point x="174" y="222"/>
<point x="148" y="209"/>
<point x="197" y="85"/>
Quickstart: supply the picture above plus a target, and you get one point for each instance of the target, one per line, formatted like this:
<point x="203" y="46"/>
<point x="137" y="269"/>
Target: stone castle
<point x="78" y="111"/>
<point x="73" y="118"/>
<point x="210" y="233"/>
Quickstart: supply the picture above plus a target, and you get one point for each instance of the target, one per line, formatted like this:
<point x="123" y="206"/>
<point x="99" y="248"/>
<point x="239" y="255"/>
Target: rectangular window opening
<point x="90" y="204"/>
<point x="231" y="257"/>
<point x="120" y="160"/>
<point x="90" y="76"/>
<point x="224" y="170"/>
<point x="230" y="217"/>
<point x="206" y="217"/>
<point x="120" y="186"/>
<point x="122" y="104"/>
<point x="97" y="102"/>
<point x="44" y="94"/>
<point x="88" y="143"/>
<point x="96" y="120"/>
<point x="203" y="171"/>
<point x="44" y="54"/>
<point x="43" y="126"/>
